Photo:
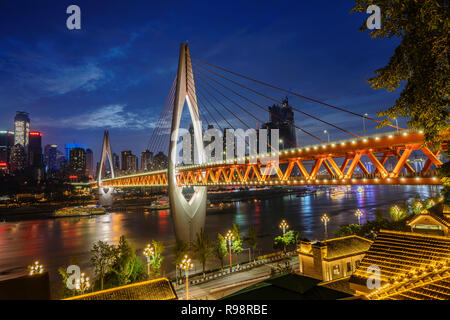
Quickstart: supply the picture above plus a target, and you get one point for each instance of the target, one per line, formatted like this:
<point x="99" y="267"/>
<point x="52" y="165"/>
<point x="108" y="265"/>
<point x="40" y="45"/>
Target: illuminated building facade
<point x="6" y="143"/>
<point x="332" y="259"/>
<point x="124" y="155"/>
<point x="18" y="158"/>
<point x="132" y="163"/>
<point x="116" y="162"/>
<point x="146" y="160"/>
<point x="77" y="162"/>
<point x="50" y="155"/>
<point x="282" y="118"/>
<point x="70" y="146"/>
<point x="35" y="159"/>
<point x="21" y="129"/>
<point x="160" y="161"/>
<point x="89" y="162"/>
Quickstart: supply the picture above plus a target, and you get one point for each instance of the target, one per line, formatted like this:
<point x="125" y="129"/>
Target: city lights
<point x="149" y="253"/>
<point x="229" y="237"/>
<point x="35" y="269"/>
<point x="325" y="221"/>
<point x="186" y="265"/>
<point x="358" y="214"/>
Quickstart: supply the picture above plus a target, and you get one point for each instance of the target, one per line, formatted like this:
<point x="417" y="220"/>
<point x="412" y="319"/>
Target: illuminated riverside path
<point x="54" y="241"/>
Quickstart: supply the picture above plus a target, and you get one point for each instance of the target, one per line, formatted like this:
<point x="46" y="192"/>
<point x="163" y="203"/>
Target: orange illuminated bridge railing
<point x="343" y="162"/>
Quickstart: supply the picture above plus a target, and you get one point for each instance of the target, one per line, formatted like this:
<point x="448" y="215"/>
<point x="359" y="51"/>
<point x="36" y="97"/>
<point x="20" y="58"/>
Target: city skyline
<point x="95" y="82"/>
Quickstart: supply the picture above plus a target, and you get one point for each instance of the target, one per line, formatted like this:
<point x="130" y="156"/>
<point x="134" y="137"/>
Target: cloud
<point x="111" y="116"/>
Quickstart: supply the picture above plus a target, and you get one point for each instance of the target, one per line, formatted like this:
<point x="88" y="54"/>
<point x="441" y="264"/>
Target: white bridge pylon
<point x="188" y="216"/>
<point x="105" y="194"/>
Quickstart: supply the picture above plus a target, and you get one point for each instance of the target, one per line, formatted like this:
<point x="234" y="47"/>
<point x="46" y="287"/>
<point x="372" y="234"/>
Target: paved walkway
<point x="218" y="288"/>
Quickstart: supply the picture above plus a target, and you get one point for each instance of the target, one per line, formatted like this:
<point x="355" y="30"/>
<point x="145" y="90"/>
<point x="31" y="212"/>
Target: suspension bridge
<point x="219" y="97"/>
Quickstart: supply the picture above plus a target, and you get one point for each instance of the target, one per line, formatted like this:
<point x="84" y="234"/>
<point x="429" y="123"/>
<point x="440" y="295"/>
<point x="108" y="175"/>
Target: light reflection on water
<point x="54" y="241"/>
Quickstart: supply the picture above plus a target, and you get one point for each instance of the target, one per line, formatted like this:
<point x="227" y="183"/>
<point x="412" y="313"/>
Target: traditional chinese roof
<point x="157" y="289"/>
<point x="433" y="284"/>
<point x="436" y="215"/>
<point x="341" y="247"/>
<point x="398" y="253"/>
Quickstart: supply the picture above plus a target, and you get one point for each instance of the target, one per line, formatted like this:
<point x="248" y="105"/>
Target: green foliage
<point x="102" y="259"/>
<point x="66" y="292"/>
<point x="379" y="214"/>
<point x="420" y="60"/>
<point x="180" y="249"/>
<point x="290" y="238"/>
<point x="202" y="248"/>
<point x="236" y="246"/>
<point x="397" y="213"/>
<point x="348" y="230"/>
<point x="157" y="259"/>
<point x="444" y="173"/>
<point x="220" y="248"/>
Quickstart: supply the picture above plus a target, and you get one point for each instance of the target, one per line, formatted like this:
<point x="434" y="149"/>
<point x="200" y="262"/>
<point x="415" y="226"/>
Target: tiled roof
<point x="345" y="246"/>
<point x="397" y="253"/>
<point x="423" y="285"/>
<point x="157" y="289"/>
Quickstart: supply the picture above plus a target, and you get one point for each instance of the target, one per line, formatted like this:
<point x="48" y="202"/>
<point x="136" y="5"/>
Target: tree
<point x="127" y="268"/>
<point x="420" y="61"/>
<point x="103" y="257"/>
<point x="157" y="259"/>
<point x="202" y="248"/>
<point x="236" y="246"/>
<point x="348" y="230"/>
<point x="397" y="213"/>
<point x="179" y="251"/>
<point x="252" y="240"/>
<point x="444" y="174"/>
<point x="289" y="238"/>
<point x="220" y="249"/>
<point x="379" y="214"/>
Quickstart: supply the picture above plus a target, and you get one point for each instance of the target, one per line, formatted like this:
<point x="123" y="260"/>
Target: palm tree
<point x="220" y="249"/>
<point x="252" y="240"/>
<point x="179" y="251"/>
<point x="202" y="248"/>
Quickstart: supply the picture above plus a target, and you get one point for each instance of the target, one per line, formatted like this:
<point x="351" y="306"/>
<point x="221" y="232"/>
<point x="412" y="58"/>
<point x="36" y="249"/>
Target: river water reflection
<point x="54" y="241"/>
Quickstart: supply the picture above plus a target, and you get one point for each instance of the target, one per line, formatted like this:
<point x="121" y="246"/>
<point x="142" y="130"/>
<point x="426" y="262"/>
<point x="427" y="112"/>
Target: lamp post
<point x="327" y="133"/>
<point x="364" y="124"/>
<point x="358" y="214"/>
<point x="230" y="237"/>
<point x="148" y="253"/>
<point x="35" y="269"/>
<point x="186" y="265"/>
<point x="325" y="220"/>
<point x="283" y="226"/>
<point x="82" y="284"/>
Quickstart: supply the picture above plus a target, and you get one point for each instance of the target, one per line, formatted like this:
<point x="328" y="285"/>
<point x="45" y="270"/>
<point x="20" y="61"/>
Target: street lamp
<point x="149" y="253"/>
<point x="35" y="269"/>
<point x="325" y="220"/>
<point x="358" y="214"/>
<point x="284" y="226"/>
<point x="82" y="284"/>
<point x="326" y="132"/>
<point x="186" y="265"/>
<point x="364" y="124"/>
<point x="230" y="237"/>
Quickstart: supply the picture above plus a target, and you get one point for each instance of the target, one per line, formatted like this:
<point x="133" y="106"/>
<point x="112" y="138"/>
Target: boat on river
<point x="79" y="211"/>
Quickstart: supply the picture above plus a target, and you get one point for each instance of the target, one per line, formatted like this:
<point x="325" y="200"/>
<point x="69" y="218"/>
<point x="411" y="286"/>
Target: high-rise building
<point x="124" y="155"/>
<point x="35" y="149"/>
<point x="146" y="160"/>
<point x="132" y="163"/>
<point x="17" y="159"/>
<point x="70" y="146"/>
<point x="160" y="161"/>
<point x="282" y="118"/>
<point x="116" y="161"/>
<point x="6" y="143"/>
<point x="89" y="162"/>
<point x="50" y="155"/>
<point x="77" y="162"/>
<point x="21" y="129"/>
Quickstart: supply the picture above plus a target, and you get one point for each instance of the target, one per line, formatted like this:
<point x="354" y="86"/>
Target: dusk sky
<point x="116" y="72"/>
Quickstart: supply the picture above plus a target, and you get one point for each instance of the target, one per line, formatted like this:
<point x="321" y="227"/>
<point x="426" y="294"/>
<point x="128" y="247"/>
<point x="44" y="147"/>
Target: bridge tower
<point x="105" y="194"/>
<point x="188" y="216"/>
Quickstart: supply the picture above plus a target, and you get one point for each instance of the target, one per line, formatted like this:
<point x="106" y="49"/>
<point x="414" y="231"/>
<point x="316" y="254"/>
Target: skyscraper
<point x="17" y="159"/>
<point x="6" y="143"/>
<point x="77" y="162"/>
<point x="124" y="155"/>
<point x="70" y="146"/>
<point x="282" y="118"/>
<point x="50" y="154"/>
<point x="116" y="161"/>
<point x="35" y="149"/>
<point x="132" y="163"/>
<point x="21" y="129"/>
<point x="89" y="162"/>
<point x="146" y="160"/>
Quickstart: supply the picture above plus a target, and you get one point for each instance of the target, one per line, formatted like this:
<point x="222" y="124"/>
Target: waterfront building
<point x="124" y="155"/>
<point x="282" y="118"/>
<point x="21" y="129"/>
<point x="70" y="146"/>
<point x="35" y="159"/>
<point x="396" y="257"/>
<point x="77" y="162"/>
<point x="6" y="143"/>
<point x="89" y="162"/>
<point x="160" y="161"/>
<point x="146" y="160"/>
<point x="332" y="259"/>
<point x="434" y="221"/>
<point x="17" y="160"/>
<point x="50" y="156"/>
